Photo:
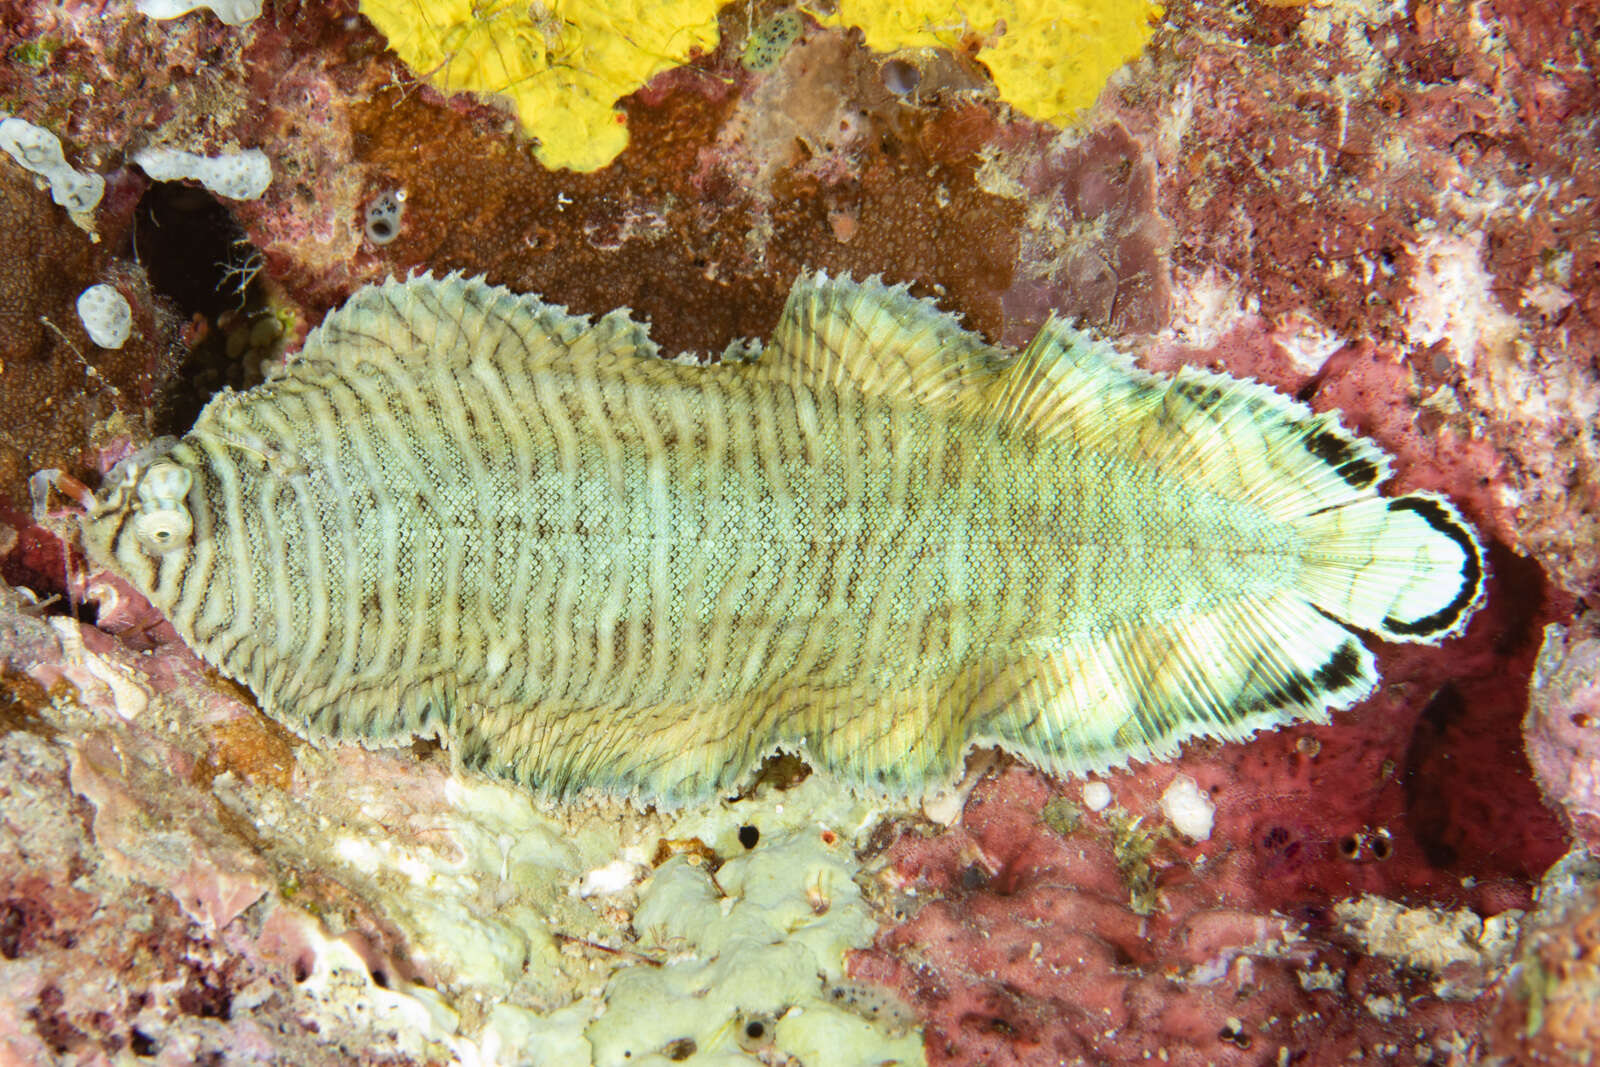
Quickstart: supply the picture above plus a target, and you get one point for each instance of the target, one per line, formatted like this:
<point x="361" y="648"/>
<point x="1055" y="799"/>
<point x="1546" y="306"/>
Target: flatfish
<point x="874" y="541"/>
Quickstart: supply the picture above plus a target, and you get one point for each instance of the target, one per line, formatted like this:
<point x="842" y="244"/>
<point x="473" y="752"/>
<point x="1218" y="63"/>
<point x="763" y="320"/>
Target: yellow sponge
<point x="563" y="64"/>
<point x="1049" y="58"/>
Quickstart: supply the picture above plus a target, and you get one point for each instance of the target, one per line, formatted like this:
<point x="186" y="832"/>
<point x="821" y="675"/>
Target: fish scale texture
<point x="468" y="513"/>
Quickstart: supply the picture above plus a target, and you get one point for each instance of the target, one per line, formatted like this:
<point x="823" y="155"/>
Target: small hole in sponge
<point x="900" y="77"/>
<point x="756" y="1032"/>
<point x="748" y="836"/>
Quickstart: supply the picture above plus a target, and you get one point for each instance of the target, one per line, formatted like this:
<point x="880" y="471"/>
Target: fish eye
<point x="162" y="529"/>
<point x="164" y="485"/>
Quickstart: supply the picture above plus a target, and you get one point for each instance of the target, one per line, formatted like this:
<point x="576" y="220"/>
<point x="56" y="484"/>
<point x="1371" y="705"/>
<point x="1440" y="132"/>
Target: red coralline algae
<point x="1414" y="179"/>
<point x="1105" y="940"/>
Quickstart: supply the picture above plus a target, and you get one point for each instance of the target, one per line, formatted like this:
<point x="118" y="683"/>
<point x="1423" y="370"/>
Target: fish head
<point x="140" y="515"/>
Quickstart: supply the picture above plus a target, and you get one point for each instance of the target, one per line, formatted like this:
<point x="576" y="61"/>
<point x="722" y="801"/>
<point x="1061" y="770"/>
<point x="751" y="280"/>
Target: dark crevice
<point x="197" y="257"/>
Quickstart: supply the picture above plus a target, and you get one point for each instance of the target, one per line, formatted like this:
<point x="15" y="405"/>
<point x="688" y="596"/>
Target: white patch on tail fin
<point x="1407" y="568"/>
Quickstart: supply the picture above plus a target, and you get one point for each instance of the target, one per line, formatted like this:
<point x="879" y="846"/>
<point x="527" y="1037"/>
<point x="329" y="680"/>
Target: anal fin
<point x="1089" y="701"/>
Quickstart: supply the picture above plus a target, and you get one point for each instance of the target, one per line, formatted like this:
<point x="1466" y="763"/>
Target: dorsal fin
<point x="878" y="340"/>
<point x="1069" y="384"/>
<point x="1234" y="435"/>
<point x="454" y="316"/>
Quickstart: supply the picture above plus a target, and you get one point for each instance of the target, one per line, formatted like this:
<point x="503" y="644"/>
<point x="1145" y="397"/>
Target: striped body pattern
<point x="876" y="543"/>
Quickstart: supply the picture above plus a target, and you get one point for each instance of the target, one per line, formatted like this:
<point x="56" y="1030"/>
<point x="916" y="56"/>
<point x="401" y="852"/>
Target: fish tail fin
<point x="1407" y="568"/>
<point x="1277" y="648"/>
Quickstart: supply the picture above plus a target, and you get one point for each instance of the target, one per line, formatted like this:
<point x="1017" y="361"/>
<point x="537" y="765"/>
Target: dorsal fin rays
<point x="1234" y="436"/>
<point x="1065" y="383"/>
<point x="1276" y="451"/>
<point x="454" y="316"/>
<point x="878" y="340"/>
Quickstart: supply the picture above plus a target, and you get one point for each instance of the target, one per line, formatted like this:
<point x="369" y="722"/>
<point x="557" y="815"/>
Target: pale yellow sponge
<point x="562" y="64"/>
<point x="1049" y="58"/>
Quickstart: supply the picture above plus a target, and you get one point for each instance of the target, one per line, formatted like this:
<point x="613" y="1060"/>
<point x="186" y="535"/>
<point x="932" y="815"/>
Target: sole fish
<point x="875" y="541"/>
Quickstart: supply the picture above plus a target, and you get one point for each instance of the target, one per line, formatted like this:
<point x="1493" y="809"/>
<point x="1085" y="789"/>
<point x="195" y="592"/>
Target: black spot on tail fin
<point x="1343" y="667"/>
<point x="1339" y="451"/>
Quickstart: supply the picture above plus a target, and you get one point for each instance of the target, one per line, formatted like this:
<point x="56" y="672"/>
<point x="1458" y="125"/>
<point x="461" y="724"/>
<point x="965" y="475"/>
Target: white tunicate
<point x="235" y="175"/>
<point x="1190" y="811"/>
<point x="1096" y="796"/>
<point x="78" y="192"/>
<point x="35" y="148"/>
<point x="38" y="150"/>
<point x="384" y="215"/>
<point x="105" y="315"/>
<point x="232" y="12"/>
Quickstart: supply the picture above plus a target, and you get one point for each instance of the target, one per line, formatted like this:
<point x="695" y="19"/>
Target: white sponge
<point x="233" y="12"/>
<point x="1190" y="811"/>
<point x="39" y="150"/>
<point x="235" y="175"/>
<point x="105" y="315"/>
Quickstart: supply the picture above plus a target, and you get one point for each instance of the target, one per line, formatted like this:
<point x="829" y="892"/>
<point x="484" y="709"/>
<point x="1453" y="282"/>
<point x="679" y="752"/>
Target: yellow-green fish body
<point x="877" y="544"/>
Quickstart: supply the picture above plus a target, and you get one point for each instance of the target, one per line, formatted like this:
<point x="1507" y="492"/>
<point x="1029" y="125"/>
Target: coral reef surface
<point x="1388" y="208"/>
<point x="286" y="902"/>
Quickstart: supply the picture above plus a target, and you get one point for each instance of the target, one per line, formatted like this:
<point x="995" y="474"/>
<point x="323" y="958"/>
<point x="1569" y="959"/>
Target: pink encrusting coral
<point x="135" y="915"/>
